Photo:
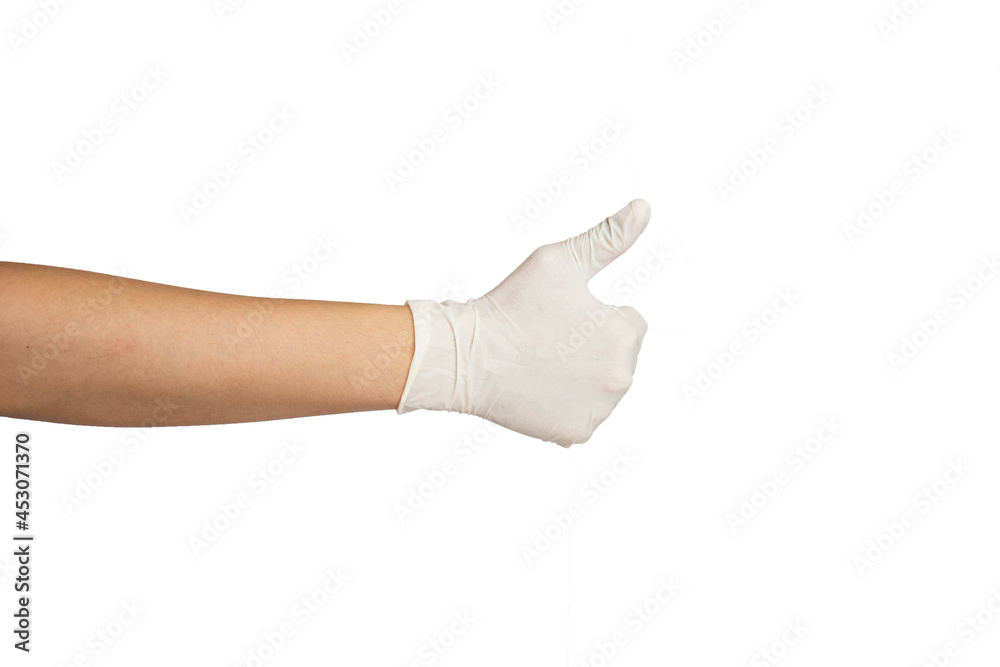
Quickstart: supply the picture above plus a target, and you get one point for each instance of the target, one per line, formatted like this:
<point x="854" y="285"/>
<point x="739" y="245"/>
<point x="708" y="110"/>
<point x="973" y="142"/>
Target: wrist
<point x="441" y="347"/>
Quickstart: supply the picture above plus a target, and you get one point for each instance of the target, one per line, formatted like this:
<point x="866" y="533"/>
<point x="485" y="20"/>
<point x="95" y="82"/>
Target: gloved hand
<point x="537" y="354"/>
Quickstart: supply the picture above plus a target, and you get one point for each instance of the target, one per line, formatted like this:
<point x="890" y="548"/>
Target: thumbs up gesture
<point x="538" y="354"/>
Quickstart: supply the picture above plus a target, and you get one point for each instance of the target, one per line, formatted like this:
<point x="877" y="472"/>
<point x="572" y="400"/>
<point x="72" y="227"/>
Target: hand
<point x="537" y="354"/>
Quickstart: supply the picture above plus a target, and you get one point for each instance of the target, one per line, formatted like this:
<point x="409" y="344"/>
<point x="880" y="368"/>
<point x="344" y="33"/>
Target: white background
<point x="448" y="232"/>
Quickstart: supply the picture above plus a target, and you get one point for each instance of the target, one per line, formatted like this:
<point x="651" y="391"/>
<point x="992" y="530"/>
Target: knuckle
<point x="618" y="327"/>
<point x="576" y="433"/>
<point x="635" y="337"/>
<point x="627" y="339"/>
<point x="643" y="325"/>
<point x="618" y="382"/>
<point x="639" y="323"/>
<point x="543" y="253"/>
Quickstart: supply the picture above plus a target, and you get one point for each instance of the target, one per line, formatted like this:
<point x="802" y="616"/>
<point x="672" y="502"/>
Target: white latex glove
<point x="538" y="354"/>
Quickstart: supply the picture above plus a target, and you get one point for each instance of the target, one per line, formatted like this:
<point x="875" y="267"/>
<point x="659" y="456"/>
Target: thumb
<point x="601" y="245"/>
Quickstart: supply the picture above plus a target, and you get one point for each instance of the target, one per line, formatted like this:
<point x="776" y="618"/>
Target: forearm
<point x="87" y="348"/>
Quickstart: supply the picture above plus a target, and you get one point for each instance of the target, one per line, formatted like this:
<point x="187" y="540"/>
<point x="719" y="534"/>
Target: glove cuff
<point x="436" y="377"/>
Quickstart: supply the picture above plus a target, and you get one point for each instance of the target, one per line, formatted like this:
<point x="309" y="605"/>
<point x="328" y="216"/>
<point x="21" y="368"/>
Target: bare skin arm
<point x="78" y="347"/>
